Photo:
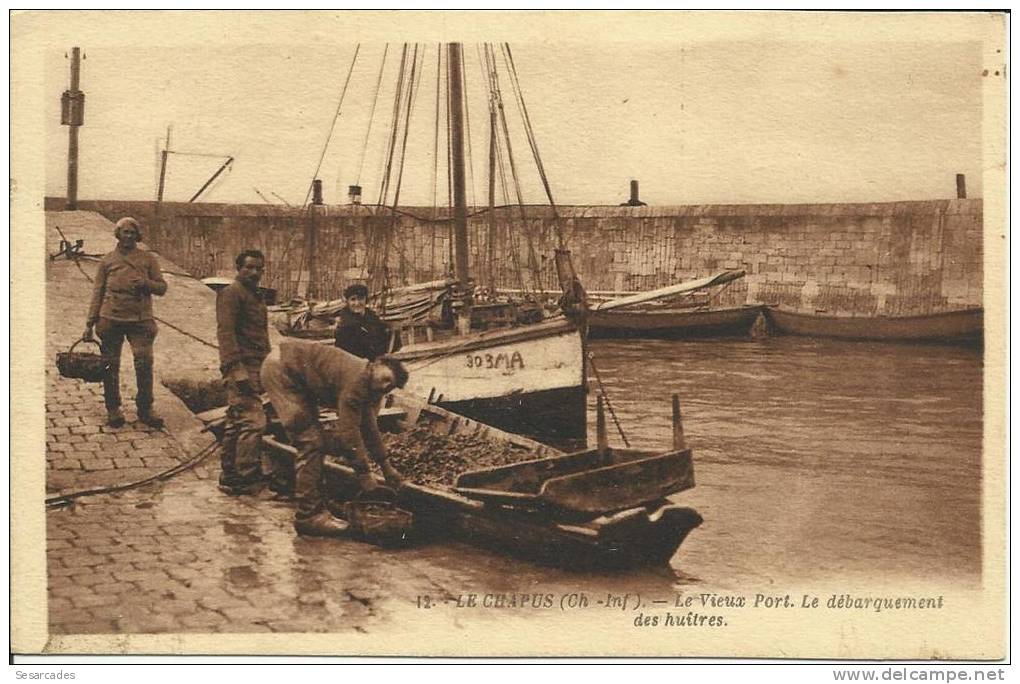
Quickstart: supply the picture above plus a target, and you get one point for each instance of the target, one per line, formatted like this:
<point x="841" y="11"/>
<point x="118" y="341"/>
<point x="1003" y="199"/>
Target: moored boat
<point x="601" y="508"/>
<point x="674" y="323"/>
<point x="508" y="362"/>
<point x="965" y="326"/>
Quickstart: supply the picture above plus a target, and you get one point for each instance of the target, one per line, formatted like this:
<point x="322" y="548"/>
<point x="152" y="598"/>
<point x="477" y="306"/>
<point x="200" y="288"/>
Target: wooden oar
<point x="678" y="288"/>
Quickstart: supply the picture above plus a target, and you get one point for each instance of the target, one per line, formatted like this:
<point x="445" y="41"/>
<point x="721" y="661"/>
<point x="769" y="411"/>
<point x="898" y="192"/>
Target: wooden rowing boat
<point x="965" y="326"/>
<point x="616" y="535"/>
<point x="673" y="323"/>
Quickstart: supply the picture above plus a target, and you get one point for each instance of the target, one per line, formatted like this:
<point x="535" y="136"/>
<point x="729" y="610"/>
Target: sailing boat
<point x="522" y="373"/>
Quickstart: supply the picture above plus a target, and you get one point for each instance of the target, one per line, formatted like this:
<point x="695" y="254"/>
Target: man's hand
<point x="393" y="477"/>
<point x="88" y="336"/>
<point x="142" y="287"/>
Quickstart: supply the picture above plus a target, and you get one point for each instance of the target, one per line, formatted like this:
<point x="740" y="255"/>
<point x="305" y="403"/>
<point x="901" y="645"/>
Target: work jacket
<point x="332" y="377"/>
<point x="125" y="283"/>
<point x="362" y="335"/>
<point x="241" y="326"/>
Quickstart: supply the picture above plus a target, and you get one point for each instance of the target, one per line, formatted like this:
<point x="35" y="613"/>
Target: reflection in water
<point x="816" y="460"/>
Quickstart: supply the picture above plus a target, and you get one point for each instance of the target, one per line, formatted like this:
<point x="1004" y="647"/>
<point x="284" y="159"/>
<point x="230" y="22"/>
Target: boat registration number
<point x="501" y="361"/>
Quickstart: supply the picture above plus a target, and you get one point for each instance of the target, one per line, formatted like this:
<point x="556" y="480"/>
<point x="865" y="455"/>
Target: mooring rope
<point x="609" y="405"/>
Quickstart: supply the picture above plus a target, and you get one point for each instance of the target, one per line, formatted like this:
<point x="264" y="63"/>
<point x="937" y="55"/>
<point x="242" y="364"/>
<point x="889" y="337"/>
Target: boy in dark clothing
<point x="302" y="376"/>
<point x="359" y="330"/>
<point x="241" y="328"/>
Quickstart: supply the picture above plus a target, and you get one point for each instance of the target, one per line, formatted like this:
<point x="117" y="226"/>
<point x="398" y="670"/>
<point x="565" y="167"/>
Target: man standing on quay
<point x="241" y="328"/>
<point x="122" y="307"/>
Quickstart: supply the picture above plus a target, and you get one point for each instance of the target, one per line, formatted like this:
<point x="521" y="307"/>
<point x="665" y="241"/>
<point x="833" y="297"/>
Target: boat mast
<point x="460" y="240"/>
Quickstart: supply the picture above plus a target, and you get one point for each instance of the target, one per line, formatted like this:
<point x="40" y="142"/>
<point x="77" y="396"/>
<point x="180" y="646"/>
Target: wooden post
<point x="679" y="442"/>
<point x="162" y="177"/>
<point x="72" y="96"/>
<point x="601" y="435"/>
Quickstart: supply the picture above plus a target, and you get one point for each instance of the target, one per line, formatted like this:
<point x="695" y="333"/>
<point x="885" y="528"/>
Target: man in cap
<point x="359" y="330"/>
<point x="302" y="376"/>
<point x="242" y="331"/>
<point x="122" y="308"/>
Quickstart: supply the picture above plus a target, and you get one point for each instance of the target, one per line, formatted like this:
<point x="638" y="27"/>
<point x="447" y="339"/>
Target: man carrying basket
<point x="122" y="307"/>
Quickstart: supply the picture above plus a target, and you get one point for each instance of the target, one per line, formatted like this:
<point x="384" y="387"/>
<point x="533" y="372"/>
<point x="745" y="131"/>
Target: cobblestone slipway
<point x="177" y="556"/>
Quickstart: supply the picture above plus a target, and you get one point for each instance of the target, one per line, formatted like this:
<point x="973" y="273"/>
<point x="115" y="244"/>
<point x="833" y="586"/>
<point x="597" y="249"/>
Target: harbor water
<point x="818" y="462"/>
<point x="815" y="460"/>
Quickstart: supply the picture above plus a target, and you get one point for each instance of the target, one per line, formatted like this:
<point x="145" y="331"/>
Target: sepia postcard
<point x="509" y="334"/>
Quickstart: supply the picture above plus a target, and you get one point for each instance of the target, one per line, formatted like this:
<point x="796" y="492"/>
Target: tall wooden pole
<point x="72" y="133"/>
<point x="312" y="243"/>
<point x="162" y="178"/>
<point x="457" y="145"/>
<point x="491" y="242"/>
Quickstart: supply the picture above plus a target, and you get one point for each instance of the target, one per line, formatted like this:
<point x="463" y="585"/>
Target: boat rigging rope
<point x="332" y="126"/>
<point x="411" y="98"/>
<point x="63" y="500"/>
<point x="605" y="395"/>
<point x="532" y="256"/>
<point x="496" y="106"/>
<point x="435" y="160"/>
<point x="398" y="95"/>
<point x="371" y="116"/>
<point x="467" y="134"/>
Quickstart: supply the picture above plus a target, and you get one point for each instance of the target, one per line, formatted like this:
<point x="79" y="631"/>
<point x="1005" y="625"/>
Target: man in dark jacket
<point x="122" y="307"/>
<point x="359" y="330"/>
<point x="241" y="328"/>
<point x="302" y="376"/>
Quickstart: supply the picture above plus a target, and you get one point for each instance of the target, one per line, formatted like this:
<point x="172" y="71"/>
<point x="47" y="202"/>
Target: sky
<point x="774" y="119"/>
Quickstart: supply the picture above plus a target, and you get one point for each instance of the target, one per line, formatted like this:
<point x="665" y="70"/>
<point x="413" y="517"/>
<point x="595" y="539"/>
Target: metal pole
<point x="457" y="143"/>
<point x="72" y="135"/>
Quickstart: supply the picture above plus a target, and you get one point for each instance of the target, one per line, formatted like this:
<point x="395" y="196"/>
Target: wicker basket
<point x="86" y="366"/>
<point x="378" y="520"/>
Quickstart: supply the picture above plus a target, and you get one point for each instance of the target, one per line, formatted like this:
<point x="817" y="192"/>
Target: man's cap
<point x="126" y="222"/>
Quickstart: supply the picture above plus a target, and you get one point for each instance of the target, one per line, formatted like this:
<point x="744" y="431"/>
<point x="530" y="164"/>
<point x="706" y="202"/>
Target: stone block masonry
<point x="895" y="258"/>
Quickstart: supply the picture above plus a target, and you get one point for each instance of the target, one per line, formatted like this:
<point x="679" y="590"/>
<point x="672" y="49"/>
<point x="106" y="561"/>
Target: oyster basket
<point x="87" y="366"/>
<point x="379" y="521"/>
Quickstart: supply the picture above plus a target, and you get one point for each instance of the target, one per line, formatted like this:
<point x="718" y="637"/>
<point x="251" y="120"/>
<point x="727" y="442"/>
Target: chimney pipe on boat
<point x="317" y="192"/>
<point x="354" y="193"/>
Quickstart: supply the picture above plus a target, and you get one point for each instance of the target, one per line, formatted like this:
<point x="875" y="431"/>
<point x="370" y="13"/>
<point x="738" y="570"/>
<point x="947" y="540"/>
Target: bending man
<point x="302" y="376"/>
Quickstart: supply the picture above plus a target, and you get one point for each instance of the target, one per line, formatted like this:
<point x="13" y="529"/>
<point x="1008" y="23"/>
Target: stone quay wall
<point x="894" y="258"/>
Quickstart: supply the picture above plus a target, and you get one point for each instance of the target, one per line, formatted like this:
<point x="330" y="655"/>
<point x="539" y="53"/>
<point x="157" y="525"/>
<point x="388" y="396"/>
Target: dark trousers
<point x="140" y="334"/>
<point x="241" y="457"/>
<point x="299" y="415"/>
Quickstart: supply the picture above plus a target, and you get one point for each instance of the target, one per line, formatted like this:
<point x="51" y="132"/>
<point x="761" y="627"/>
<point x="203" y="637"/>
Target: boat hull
<point x="954" y="327"/>
<point x="673" y="323"/>
<point x="528" y="380"/>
